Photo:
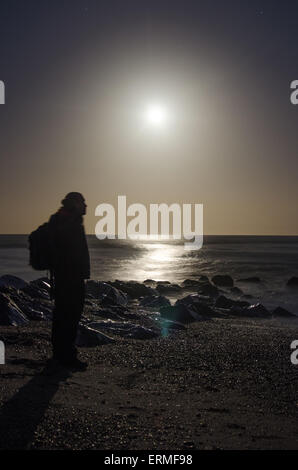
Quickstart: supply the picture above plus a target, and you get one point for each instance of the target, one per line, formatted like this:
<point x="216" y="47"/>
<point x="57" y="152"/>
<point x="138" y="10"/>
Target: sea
<point x="274" y="259"/>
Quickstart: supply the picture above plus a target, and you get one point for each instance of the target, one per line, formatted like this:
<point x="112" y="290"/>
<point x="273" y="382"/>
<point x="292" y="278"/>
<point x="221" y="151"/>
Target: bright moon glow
<point x="156" y="115"/>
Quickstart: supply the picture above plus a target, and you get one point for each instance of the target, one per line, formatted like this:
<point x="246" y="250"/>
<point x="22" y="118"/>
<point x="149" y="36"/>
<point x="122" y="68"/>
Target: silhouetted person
<point x="71" y="267"/>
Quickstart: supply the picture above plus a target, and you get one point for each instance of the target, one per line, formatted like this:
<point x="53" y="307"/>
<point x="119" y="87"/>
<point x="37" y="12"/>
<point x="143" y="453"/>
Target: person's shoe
<point x="76" y="364"/>
<point x="53" y="366"/>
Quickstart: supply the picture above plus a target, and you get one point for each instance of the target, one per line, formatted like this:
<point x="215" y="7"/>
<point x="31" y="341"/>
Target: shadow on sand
<point x="21" y="415"/>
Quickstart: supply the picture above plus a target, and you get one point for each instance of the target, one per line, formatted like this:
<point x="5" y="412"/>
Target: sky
<point x="80" y="77"/>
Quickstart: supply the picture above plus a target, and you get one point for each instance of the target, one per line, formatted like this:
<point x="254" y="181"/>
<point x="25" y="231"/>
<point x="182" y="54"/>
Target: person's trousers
<point x="69" y="302"/>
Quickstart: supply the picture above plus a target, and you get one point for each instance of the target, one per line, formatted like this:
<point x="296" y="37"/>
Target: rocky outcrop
<point x="10" y="314"/>
<point x="130" y="309"/>
<point x="257" y="310"/>
<point x="190" y="283"/>
<point x="222" y="280"/>
<point x="12" y="281"/>
<point x="43" y="284"/>
<point x="89" y="337"/>
<point x="36" y="306"/>
<point x="293" y="282"/>
<point x="102" y="290"/>
<point x="208" y="290"/>
<point x="112" y="313"/>
<point x="224" y="302"/>
<point x="149" y="282"/>
<point x="236" y="290"/>
<point x="167" y="287"/>
<point x="283" y="313"/>
<point x="154" y="301"/>
<point x="133" y="289"/>
<point x="195" y="303"/>
<point x="180" y="313"/>
<point x="36" y="292"/>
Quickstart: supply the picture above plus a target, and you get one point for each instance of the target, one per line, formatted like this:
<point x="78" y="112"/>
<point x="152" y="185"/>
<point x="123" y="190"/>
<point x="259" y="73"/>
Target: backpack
<point x="40" y="248"/>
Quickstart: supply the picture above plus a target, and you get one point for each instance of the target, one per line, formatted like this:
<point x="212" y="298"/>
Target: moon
<point x="156" y="115"/>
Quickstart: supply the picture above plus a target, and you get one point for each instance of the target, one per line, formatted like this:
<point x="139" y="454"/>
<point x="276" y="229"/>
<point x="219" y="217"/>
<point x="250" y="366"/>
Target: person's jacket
<point x="70" y="251"/>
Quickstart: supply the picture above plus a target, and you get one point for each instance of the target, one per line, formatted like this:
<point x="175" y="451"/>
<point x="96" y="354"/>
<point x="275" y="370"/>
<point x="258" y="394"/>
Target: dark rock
<point x="43" y="283"/>
<point x="32" y="313"/>
<point x="153" y="301"/>
<point x="208" y="290"/>
<point x="109" y="313"/>
<point x="135" y="290"/>
<point x="109" y="300"/>
<point x="241" y="303"/>
<point x="195" y="303"/>
<point x="180" y="313"/>
<point x="253" y="279"/>
<point x="191" y="283"/>
<point x="150" y="282"/>
<point x="38" y="314"/>
<point x="204" y="299"/>
<point x="165" y="287"/>
<point x="236" y="290"/>
<point x="35" y="292"/>
<point x="99" y="290"/>
<point x="283" y="313"/>
<point x="257" y="310"/>
<point x="12" y="281"/>
<point x="222" y="280"/>
<point x="10" y="314"/>
<point x="44" y="307"/>
<point x="8" y="290"/>
<point x="88" y="337"/>
<point x="293" y="282"/>
<point x="225" y="302"/>
<point x="35" y="308"/>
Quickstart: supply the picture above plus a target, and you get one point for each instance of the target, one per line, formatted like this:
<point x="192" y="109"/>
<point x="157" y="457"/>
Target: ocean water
<point x="273" y="259"/>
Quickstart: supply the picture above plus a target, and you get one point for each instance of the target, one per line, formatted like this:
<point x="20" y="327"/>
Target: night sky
<point x="78" y="75"/>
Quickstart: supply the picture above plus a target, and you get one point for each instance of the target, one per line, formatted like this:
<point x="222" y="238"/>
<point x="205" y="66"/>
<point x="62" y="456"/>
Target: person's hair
<point x="70" y="199"/>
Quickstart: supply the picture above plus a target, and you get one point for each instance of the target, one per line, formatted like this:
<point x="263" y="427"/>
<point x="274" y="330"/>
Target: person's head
<point x="75" y="202"/>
